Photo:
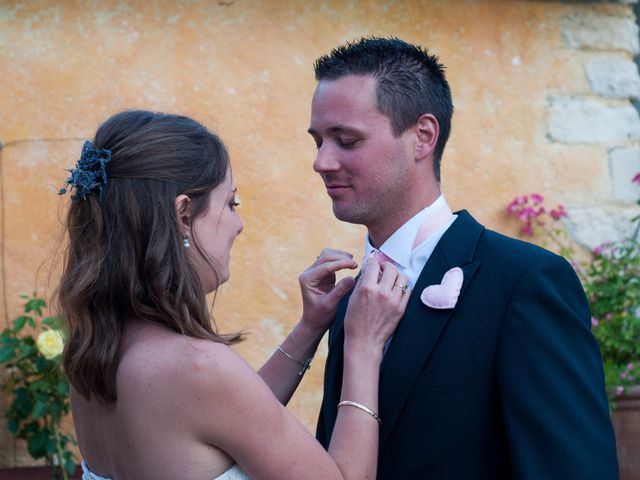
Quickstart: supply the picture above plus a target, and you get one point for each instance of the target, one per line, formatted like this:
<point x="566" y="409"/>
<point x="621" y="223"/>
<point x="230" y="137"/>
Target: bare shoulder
<point x="155" y="357"/>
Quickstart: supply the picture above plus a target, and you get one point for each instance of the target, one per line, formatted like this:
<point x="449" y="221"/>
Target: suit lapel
<point x="421" y="326"/>
<point x="333" y="368"/>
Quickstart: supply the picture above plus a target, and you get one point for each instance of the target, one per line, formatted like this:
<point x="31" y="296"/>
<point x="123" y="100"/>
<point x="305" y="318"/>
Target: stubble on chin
<point x="351" y="214"/>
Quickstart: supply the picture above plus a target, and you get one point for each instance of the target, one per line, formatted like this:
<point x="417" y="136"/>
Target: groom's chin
<point x="347" y="214"/>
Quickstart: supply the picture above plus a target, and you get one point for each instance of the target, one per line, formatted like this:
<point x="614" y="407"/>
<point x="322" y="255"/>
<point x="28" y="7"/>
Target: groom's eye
<point x="347" y="142"/>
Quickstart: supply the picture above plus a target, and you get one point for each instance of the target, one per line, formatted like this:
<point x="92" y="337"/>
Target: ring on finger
<point x="403" y="287"/>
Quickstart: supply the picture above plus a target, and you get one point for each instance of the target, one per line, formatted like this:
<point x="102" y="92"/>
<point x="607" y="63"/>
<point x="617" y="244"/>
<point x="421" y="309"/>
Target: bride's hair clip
<point x="90" y="175"/>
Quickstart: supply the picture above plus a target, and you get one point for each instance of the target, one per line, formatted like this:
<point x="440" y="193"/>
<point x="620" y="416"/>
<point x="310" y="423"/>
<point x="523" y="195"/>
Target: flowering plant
<point x="542" y="222"/>
<point x="612" y="284"/>
<point x="611" y="279"/>
<point x="38" y="386"/>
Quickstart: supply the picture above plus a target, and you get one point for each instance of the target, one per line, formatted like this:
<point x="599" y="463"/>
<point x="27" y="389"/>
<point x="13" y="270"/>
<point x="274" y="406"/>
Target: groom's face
<point x="365" y="168"/>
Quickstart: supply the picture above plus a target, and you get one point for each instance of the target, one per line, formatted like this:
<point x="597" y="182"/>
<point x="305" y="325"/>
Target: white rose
<point x="50" y="343"/>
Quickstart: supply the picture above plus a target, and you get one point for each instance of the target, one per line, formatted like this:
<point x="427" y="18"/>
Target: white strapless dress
<point x="234" y="473"/>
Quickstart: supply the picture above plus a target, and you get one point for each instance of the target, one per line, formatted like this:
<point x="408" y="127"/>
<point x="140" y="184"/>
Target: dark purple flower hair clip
<point x="90" y="174"/>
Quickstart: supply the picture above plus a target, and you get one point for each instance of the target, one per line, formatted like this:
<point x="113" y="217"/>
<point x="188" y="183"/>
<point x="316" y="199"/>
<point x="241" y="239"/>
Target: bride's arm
<point x="284" y="370"/>
<point x="245" y="420"/>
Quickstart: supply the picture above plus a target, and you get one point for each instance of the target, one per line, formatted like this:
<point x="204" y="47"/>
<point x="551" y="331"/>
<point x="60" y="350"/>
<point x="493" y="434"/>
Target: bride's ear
<point x="183" y="212"/>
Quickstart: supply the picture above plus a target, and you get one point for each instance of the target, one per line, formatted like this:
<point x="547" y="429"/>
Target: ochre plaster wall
<point x="244" y="68"/>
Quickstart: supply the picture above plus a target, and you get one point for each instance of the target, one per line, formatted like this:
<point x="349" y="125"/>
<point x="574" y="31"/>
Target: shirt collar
<point x="399" y="245"/>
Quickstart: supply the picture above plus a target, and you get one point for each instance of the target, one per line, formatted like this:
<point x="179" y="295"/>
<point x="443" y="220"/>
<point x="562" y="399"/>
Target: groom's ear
<point x="427" y="131"/>
<point x="183" y="212"/>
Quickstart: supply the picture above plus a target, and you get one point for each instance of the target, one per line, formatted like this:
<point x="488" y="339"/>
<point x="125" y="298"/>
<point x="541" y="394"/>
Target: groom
<point x="493" y="374"/>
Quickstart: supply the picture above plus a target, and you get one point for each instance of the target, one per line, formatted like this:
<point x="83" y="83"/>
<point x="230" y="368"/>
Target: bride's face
<point x="215" y="231"/>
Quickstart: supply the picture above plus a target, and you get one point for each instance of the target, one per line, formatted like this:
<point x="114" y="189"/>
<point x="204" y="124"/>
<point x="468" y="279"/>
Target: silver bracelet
<point x="306" y="365"/>
<point x="364" y="408"/>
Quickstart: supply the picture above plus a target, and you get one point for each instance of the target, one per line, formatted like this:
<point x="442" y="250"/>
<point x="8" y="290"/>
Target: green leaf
<point x="41" y="385"/>
<point x="6" y="354"/>
<point x="39" y="409"/>
<point x="22" y="401"/>
<point x="51" y="322"/>
<point x="70" y="466"/>
<point x="35" y="305"/>
<point x="19" y="322"/>
<point x="12" y="425"/>
<point x="51" y="445"/>
<point x="37" y="444"/>
<point x="62" y="388"/>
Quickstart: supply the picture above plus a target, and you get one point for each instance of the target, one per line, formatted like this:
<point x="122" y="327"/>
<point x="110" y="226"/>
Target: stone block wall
<point x="600" y="112"/>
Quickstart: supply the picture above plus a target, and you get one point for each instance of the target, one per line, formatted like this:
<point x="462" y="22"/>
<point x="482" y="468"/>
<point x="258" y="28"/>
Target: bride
<point x="156" y="391"/>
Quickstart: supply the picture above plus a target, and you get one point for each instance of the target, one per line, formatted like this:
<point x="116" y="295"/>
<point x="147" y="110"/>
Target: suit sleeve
<point x="551" y="379"/>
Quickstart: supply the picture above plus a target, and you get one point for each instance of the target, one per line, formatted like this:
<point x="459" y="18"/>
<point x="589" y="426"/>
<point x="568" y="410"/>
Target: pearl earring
<point x="185" y="242"/>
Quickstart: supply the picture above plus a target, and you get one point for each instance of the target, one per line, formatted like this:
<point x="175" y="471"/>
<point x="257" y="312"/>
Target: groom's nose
<point x="326" y="160"/>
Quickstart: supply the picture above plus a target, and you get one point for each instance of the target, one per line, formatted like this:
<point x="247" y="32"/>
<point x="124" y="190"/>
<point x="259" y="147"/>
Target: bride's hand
<point x="377" y="303"/>
<point x="320" y="292"/>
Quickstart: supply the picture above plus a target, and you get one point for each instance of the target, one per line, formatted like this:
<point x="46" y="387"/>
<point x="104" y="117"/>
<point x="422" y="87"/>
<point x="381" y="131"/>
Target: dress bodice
<point x="234" y="473"/>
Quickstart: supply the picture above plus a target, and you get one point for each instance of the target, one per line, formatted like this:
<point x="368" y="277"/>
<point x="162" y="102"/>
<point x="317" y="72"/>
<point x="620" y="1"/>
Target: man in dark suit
<point x="493" y="372"/>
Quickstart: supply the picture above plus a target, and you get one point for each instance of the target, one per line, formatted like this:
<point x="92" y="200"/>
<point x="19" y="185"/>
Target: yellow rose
<point x="50" y="343"/>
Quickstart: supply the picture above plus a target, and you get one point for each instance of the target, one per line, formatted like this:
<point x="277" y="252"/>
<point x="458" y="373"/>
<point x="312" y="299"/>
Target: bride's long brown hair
<point x="125" y="257"/>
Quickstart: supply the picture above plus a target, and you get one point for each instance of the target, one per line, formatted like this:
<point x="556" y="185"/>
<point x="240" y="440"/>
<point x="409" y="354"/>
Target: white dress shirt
<point x="399" y="246"/>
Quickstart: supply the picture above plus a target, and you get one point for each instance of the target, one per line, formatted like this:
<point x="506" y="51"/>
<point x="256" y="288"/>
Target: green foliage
<point x="612" y="283"/>
<point x="39" y="388"/>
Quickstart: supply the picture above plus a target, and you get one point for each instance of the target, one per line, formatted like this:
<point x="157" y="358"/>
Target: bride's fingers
<point x="370" y="271"/>
<point x="321" y="270"/>
<point x="388" y="276"/>
<point x="332" y="254"/>
<point x="341" y="288"/>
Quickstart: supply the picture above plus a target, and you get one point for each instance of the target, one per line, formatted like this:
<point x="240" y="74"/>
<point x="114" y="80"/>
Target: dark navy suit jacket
<point x="508" y="384"/>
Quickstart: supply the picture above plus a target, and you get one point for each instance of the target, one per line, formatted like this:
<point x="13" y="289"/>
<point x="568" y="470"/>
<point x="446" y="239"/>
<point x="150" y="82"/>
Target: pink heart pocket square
<point x="444" y="295"/>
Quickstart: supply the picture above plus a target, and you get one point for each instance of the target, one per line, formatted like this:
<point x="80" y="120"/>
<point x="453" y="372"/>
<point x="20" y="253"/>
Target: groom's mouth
<point x="334" y="189"/>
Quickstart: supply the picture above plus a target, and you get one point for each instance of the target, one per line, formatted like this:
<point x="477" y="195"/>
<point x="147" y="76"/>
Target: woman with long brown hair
<point x="156" y="391"/>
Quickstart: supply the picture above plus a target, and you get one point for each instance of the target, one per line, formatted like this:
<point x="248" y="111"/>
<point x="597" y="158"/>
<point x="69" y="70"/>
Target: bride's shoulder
<point x="156" y="357"/>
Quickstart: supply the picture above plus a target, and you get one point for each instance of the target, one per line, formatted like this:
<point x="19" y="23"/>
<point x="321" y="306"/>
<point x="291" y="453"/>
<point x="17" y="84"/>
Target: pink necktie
<point x="434" y="223"/>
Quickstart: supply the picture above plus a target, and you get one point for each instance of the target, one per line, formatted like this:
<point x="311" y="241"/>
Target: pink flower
<point x="525" y="213"/>
<point x="516" y="204"/>
<point x="608" y="316"/>
<point x="636" y="179"/>
<point x="558" y="212"/>
<point x="527" y="229"/>
<point x="598" y="250"/>
<point x="630" y="366"/>
<point x="619" y="390"/>
<point x="594" y="322"/>
<point x="536" y="198"/>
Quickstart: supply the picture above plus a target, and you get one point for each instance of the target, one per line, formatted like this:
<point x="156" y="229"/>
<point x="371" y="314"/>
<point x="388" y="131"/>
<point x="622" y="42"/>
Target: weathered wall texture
<point x="541" y="91"/>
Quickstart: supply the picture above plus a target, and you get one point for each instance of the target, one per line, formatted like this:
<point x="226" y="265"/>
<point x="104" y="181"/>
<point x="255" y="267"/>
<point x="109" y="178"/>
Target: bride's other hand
<point x="320" y="292"/>
<point x="377" y="303"/>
